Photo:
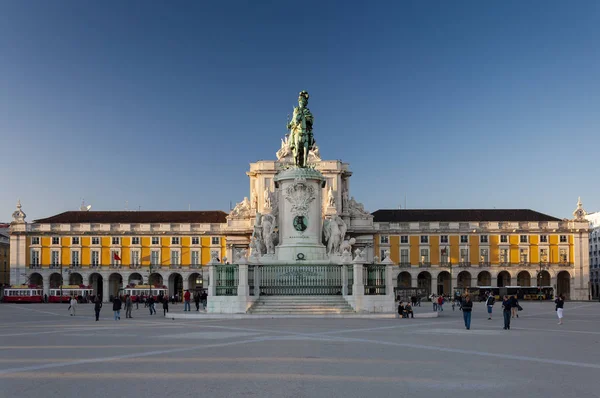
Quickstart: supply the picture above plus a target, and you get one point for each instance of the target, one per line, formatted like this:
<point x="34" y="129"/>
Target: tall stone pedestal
<point x="300" y="220"/>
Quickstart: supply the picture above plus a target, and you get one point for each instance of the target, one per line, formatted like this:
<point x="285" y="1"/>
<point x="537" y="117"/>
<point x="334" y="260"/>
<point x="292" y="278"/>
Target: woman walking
<point x="489" y="303"/>
<point x="560" y="302"/>
<point x="97" y="307"/>
<point x="72" y="305"/>
<point x="506" y="306"/>
<point x="514" y="310"/>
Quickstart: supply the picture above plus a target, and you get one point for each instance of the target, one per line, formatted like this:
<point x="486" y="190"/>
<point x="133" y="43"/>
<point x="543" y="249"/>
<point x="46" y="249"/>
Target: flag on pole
<point x="116" y="256"/>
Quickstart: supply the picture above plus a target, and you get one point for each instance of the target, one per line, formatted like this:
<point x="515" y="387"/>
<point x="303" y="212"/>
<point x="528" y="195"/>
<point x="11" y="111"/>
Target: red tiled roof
<point x="460" y="215"/>
<point x="136" y="217"/>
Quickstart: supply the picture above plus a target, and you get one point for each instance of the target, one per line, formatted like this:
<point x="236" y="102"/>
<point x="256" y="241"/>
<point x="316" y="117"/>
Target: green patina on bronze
<point x="300" y="127"/>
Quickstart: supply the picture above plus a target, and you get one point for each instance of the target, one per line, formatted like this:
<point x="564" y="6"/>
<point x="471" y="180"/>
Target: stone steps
<point x="309" y="305"/>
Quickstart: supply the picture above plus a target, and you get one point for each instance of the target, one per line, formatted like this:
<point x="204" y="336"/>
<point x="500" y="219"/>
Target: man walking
<point x="186" y="301"/>
<point x="467" y="307"/>
<point x="490" y="304"/>
<point x="506" y="306"/>
<point x="128" y="306"/>
<point x="151" y="305"/>
<point x="117" y="304"/>
<point x="72" y="305"/>
<point x="197" y="301"/>
<point x="97" y="307"/>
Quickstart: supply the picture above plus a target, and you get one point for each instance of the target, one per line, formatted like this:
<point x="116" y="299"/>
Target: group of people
<point x="405" y="310"/>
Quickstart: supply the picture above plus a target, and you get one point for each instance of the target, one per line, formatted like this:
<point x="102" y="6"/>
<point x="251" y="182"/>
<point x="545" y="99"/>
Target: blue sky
<point x="462" y="104"/>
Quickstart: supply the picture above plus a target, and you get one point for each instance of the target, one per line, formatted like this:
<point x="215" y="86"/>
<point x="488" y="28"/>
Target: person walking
<point x="506" y="306"/>
<point x="197" y="301"/>
<point x="514" y="309"/>
<point x="467" y="307"/>
<point x="440" y="303"/>
<point x="560" y="303"/>
<point x="117" y="304"/>
<point x="97" y="307"/>
<point x="186" y="301"/>
<point x="434" y="301"/>
<point x="128" y="306"/>
<point x="165" y="306"/>
<point x="72" y="305"/>
<point x="489" y="303"/>
<point x="151" y="305"/>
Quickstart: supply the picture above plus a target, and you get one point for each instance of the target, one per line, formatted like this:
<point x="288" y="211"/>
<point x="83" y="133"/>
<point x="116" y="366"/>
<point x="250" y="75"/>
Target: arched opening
<point x="135" y="279"/>
<point x="115" y="282"/>
<point x="75" y="279"/>
<point x="563" y="284"/>
<point x="503" y="279"/>
<point x="484" y="278"/>
<point x="523" y="279"/>
<point x="404" y="279"/>
<point x="36" y="279"/>
<point x="424" y="282"/>
<point x="156" y="280"/>
<point x="176" y="285"/>
<point x="443" y="282"/>
<point x="55" y="280"/>
<point x="463" y="279"/>
<point x="196" y="282"/>
<point x="97" y="283"/>
<point x="544" y="278"/>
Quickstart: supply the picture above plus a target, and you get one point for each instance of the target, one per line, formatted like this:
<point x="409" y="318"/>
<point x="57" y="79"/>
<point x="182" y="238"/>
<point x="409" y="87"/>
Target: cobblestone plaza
<point x="45" y="352"/>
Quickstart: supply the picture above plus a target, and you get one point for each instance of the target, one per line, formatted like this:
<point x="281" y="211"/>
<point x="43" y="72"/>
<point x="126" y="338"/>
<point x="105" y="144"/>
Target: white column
<point x="243" y="281"/>
<point x="434" y="284"/>
<point x="46" y="282"/>
<point x="358" y="289"/>
<point x="186" y="284"/>
<point x="344" y="280"/>
<point x="212" y="287"/>
<point x="105" y="287"/>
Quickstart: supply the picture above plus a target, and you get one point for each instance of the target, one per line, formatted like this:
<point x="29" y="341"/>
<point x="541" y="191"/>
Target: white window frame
<point x="521" y="251"/>
<point x="445" y="258"/>
<point x="462" y="258"/>
<point x="484" y="239"/>
<point x="444" y="238"/>
<point x="504" y="241"/>
<point x="198" y="258"/>
<point x="215" y="240"/>
<point x="57" y="239"/>
<point x="521" y="240"/>
<point x="78" y="253"/>
<point x="542" y="237"/>
<point x="403" y="237"/>
<point x="73" y="243"/>
<point x="566" y="249"/>
<point x="506" y="259"/>
<point x="547" y="255"/>
<point x="112" y="257"/>
<point x="57" y="257"/>
<point x="133" y="240"/>
<point x="560" y="239"/>
<point x="98" y="243"/>
<point x="175" y="241"/>
<point x="407" y="255"/>
<point x="384" y="239"/>
<point x="424" y="242"/>
<point x="177" y="257"/>
<point x="35" y="257"/>
<point x="118" y="240"/>
<point x="466" y="241"/>
<point x="424" y="258"/>
<point x="197" y="238"/>
<point x="158" y="262"/>
<point x="135" y="256"/>
<point x="99" y="261"/>
<point x="153" y="238"/>
<point x="484" y="258"/>
<point x="35" y="241"/>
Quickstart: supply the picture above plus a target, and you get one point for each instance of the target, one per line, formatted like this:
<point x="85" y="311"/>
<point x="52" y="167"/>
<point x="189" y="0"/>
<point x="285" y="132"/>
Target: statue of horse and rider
<point x="300" y="127"/>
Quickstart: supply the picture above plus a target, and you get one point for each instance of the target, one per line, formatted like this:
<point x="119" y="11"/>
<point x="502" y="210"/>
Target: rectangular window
<point x="543" y="255"/>
<point x="95" y="258"/>
<point x="404" y="239"/>
<point x="35" y="240"/>
<point x="175" y="257"/>
<point x="443" y="238"/>
<point x="424" y="255"/>
<point x="424" y="239"/>
<point x="95" y="240"/>
<point x="523" y="256"/>
<point x="404" y="256"/>
<point x="216" y="240"/>
<point x="195" y="240"/>
<point x="563" y="257"/>
<point x="484" y="256"/>
<point x="115" y="257"/>
<point x="503" y="256"/>
<point x="55" y="257"/>
<point x="35" y="257"/>
<point x="523" y="239"/>
<point x="135" y="257"/>
<point x="384" y="239"/>
<point x="563" y="239"/>
<point x="464" y="255"/>
<point x="74" y="258"/>
<point x="195" y="257"/>
<point x="75" y="240"/>
<point x="154" y="257"/>
<point x="155" y="240"/>
<point x="55" y="240"/>
<point x="175" y="240"/>
<point x="483" y="239"/>
<point x="444" y="255"/>
<point x="464" y="239"/>
<point x="116" y="240"/>
<point x="543" y="238"/>
<point x="135" y="240"/>
<point x="503" y="238"/>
